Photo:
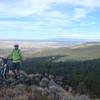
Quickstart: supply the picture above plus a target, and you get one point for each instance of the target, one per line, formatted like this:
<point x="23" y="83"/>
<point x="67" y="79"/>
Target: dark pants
<point x="16" y="66"/>
<point x="16" y="69"/>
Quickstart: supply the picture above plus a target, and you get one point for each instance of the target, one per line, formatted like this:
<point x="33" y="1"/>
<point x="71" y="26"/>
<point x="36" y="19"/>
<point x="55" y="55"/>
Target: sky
<point x="50" y="19"/>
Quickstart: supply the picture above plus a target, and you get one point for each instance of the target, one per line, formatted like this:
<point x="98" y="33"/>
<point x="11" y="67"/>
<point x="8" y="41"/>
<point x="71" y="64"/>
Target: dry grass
<point x="10" y="93"/>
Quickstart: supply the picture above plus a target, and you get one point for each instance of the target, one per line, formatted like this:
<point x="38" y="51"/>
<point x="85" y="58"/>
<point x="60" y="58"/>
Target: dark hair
<point x="16" y="45"/>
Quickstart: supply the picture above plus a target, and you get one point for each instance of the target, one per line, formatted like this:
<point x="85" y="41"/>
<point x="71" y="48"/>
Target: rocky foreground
<point x="35" y="87"/>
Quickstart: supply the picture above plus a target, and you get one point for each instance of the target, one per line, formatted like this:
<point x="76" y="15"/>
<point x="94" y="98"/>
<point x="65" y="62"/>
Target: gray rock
<point x="52" y="83"/>
<point x="45" y="92"/>
<point x="55" y="92"/>
<point x="68" y="97"/>
<point x="44" y="82"/>
<point x="19" y="89"/>
<point x="81" y="97"/>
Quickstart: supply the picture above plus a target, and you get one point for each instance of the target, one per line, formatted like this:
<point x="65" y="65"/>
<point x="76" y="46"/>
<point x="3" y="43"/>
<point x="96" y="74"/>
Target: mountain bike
<point x="4" y="67"/>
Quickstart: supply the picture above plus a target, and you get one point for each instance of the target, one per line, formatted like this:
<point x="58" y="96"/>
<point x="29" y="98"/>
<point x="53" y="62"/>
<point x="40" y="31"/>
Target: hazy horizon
<point x="45" y="43"/>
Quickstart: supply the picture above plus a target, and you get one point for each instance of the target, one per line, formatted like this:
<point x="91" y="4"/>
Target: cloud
<point x="79" y="13"/>
<point x="55" y="19"/>
<point x="21" y="25"/>
<point x="24" y="7"/>
<point x="40" y="9"/>
<point x="40" y="16"/>
<point x="80" y="36"/>
<point x="29" y="7"/>
<point x="90" y="4"/>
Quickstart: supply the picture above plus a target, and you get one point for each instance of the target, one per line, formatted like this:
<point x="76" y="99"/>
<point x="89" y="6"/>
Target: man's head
<point x="16" y="46"/>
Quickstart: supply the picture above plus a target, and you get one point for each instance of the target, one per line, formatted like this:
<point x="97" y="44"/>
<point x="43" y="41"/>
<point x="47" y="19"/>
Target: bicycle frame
<point x="3" y="68"/>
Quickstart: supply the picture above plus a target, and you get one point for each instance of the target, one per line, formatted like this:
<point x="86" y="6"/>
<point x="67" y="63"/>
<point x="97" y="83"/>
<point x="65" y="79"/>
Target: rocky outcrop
<point x="34" y="87"/>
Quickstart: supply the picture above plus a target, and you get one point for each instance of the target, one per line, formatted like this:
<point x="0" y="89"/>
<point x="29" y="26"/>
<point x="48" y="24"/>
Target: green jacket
<point x="16" y="56"/>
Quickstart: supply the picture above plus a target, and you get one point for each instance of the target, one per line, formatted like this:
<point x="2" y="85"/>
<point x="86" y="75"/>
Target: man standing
<point x="16" y="57"/>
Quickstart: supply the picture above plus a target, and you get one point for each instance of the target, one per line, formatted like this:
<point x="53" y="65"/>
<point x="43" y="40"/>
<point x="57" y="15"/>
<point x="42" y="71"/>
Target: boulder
<point x="44" y="82"/>
<point x="52" y="83"/>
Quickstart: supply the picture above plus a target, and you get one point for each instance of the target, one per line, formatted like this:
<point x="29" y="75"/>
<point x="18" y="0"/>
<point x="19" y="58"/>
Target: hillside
<point x="30" y="49"/>
<point x="78" y="52"/>
<point x="27" y="47"/>
<point x="77" y="64"/>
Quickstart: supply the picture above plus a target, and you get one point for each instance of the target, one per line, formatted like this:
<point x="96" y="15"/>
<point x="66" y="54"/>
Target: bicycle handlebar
<point x="5" y="58"/>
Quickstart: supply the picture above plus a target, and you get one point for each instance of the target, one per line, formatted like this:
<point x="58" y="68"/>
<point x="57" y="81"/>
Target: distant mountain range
<point x="63" y="41"/>
<point x="92" y="43"/>
<point x="59" y="41"/>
